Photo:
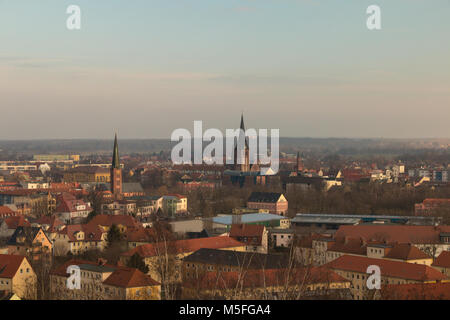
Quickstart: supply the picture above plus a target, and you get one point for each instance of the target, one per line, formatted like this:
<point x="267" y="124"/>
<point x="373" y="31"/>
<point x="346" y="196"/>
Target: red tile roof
<point x="129" y="278"/>
<point x="6" y="212"/>
<point x="393" y="233"/>
<point x="62" y="269"/>
<point x="9" y="264"/>
<point x="91" y="232"/>
<point x="352" y="246"/>
<point x="267" y="277"/>
<point x="16" y="221"/>
<point x="443" y="260"/>
<point x="184" y="246"/>
<point x="406" y="251"/>
<point x="396" y="269"/>
<point x="246" y="230"/>
<point x="416" y="291"/>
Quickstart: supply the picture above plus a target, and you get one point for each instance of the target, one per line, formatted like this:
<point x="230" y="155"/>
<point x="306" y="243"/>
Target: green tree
<point x="136" y="261"/>
<point x="114" y="235"/>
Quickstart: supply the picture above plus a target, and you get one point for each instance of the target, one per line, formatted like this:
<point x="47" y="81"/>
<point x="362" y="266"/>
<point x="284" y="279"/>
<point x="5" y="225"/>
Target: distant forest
<point x="312" y="146"/>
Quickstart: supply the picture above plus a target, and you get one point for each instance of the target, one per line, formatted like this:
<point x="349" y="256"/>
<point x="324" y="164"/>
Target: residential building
<point x="311" y="283"/>
<point x="355" y="269"/>
<point x="102" y="281"/>
<point x="273" y="202"/>
<point x="281" y="238"/>
<point x="442" y="263"/>
<point x="214" y="260"/>
<point x="70" y="209"/>
<point x="30" y="241"/>
<point x="17" y="276"/>
<point x="254" y="236"/>
<point x="152" y="253"/>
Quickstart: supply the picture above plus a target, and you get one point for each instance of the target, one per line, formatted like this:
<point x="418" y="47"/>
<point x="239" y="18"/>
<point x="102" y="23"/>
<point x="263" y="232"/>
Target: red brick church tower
<point x="116" y="172"/>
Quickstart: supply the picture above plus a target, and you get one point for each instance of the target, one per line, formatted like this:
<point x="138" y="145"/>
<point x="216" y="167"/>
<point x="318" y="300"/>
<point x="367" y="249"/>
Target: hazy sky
<point x="146" y="67"/>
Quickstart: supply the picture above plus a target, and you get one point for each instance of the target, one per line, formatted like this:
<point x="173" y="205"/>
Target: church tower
<point x="245" y="155"/>
<point x="116" y="172"/>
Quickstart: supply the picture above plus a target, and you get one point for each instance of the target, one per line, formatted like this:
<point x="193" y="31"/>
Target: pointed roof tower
<point x="242" y="127"/>
<point x="115" y="159"/>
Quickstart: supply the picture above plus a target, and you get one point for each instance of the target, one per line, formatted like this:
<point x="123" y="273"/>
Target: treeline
<point x="364" y="198"/>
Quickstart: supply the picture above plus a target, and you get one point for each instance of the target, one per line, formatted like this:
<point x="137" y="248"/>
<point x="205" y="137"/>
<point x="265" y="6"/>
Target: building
<point x="334" y="221"/>
<point x="278" y="284"/>
<point x="354" y="269"/>
<point x="207" y="260"/>
<point x="273" y="202"/>
<point x="281" y="238"/>
<point x="87" y="175"/>
<point x="416" y="291"/>
<point x="442" y="263"/>
<point x="116" y="172"/>
<point x="30" y="241"/>
<point x="78" y="238"/>
<point x="174" y="204"/>
<point x="102" y="281"/>
<point x="432" y="207"/>
<point x="403" y="252"/>
<point x="70" y="209"/>
<point x="430" y="239"/>
<point x="119" y="207"/>
<point x="9" y="225"/>
<point x="6" y="212"/>
<point x="255" y="237"/>
<point x="224" y="222"/>
<point x="152" y="253"/>
<point x="17" y="276"/>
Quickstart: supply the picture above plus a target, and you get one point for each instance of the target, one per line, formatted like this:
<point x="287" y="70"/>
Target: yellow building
<point x="355" y="269"/>
<point x="87" y="174"/>
<point x="17" y="276"/>
<point x="101" y="281"/>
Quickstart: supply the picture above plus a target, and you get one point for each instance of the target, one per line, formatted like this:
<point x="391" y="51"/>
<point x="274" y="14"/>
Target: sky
<point x="144" y="68"/>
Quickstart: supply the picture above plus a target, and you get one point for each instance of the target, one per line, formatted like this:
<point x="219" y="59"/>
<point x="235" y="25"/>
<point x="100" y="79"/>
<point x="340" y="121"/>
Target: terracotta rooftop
<point x="416" y="291"/>
<point x="267" y="277"/>
<point x="397" y="269"/>
<point x="393" y="233"/>
<point x="443" y="260"/>
<point x="406" y="251"/>
<point x="129" y="278"/>
<point x="16" y="221"/>
<point x="246" y="230"/>
<point x="9" y="264"/>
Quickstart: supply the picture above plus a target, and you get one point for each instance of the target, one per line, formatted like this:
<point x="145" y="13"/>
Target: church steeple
<point x="116" y="172"/>
<point x="245" y="166"/>
<point x="115" y="159"/>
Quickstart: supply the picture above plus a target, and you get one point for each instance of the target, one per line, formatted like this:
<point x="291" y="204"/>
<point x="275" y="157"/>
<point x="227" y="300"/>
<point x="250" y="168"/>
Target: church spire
<point x="242" y="122"/>
<point x="115" y="160"/>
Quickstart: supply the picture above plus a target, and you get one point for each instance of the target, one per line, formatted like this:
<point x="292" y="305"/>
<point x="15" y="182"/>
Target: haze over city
<point x="145" y="68"/>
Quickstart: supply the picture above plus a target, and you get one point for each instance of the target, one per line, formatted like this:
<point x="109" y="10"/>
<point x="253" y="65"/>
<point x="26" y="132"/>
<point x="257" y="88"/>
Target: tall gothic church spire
<point x="116" y="172"/>
<point x="115" y="159"/>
